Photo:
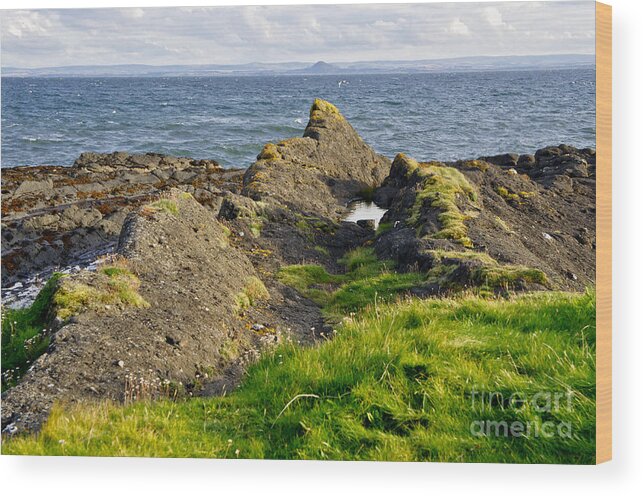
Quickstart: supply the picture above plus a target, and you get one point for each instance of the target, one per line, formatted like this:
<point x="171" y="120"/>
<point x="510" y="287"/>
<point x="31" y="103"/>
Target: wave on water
<point x="429" y="116"/>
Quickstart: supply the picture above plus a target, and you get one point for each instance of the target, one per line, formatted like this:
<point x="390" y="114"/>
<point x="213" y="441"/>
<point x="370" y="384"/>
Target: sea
<point x="430" y="116"/>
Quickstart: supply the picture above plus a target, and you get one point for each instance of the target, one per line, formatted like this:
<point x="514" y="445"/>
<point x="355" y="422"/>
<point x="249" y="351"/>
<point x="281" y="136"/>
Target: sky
<point x="306" y="33"/>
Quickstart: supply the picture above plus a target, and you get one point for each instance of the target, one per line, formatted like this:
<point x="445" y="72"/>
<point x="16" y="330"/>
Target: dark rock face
<point x="540" y="215"/>
<point x="320" y="172"/>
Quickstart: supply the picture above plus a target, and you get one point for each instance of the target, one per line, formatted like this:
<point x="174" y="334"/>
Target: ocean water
<point x="428" y="116"/>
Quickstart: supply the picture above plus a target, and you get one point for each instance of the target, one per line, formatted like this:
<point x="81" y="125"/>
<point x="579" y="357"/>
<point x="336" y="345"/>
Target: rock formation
<point x="190" y="294"/>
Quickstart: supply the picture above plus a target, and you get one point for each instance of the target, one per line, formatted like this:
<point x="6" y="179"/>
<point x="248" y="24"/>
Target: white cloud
<point x="493" y="16"/>
<point x="458" y="27"/>
<point x="335" y="33"/>
<point x="134" y="13"/>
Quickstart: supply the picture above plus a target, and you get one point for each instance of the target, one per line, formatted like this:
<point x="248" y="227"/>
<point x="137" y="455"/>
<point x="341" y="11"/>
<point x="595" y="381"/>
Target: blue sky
<point x="307" y="33"/>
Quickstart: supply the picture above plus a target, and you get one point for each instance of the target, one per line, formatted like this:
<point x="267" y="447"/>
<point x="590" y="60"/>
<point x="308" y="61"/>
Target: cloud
<point x="458" y="27"/>
<point x="335" y="33"/>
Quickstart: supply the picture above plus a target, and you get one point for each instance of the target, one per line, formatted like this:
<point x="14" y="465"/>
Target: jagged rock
<point x="193" y="268"/>
<point x="506" y="219"/>
<point x="320" y="172"/>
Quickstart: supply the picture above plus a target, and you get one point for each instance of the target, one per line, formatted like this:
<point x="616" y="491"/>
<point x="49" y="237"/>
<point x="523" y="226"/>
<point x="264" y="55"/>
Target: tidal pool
<point x="364" y="210"/>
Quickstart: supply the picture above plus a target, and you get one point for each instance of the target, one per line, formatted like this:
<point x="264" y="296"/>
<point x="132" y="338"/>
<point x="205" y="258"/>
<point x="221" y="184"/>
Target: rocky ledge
<point x="189" y="292"/>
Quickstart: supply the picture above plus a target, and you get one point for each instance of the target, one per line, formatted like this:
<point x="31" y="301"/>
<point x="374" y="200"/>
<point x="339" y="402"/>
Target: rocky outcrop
<point x="495" y="218"/>
<point x="192" y="294"/>
<point x="203" y="312"/>
<point x="320" y="172"/>
<point x="58" y="216"/>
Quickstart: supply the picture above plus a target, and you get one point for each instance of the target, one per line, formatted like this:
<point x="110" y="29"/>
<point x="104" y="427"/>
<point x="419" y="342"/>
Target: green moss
<point x="506" y="194"/>
<point x="320" y="107"/>
<point x="111" y="285"/>
<point x="252" y="293"/>
<point x="383" y="227"/>
<point x="440" y="255"/>
<point x="255" y="225"/>
<point x="269" y="152"/>
<point x="165" y="204"/>
<point x="476" y="164"/>
<point x="489" y="278"/>
<point x="441" y="188"/>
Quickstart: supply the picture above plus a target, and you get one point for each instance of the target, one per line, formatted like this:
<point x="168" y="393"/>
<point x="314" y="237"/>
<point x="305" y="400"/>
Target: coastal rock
<point x="320" y="172"/>
<point x="478" y="211"/>
<point x="193" y="268"/>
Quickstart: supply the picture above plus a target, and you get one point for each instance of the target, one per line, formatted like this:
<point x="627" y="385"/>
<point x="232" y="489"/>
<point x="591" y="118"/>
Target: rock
<point x="327" y="167"/>
<point x="366" y="224"/>
<point x="526" y="161"/>
<point x="28" y="187"/>
<point x="503" y="160"/>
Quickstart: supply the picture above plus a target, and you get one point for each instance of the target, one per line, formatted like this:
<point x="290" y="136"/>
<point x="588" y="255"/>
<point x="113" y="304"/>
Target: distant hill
<point x="462" y="64"/>
<point x="322" y="68"/>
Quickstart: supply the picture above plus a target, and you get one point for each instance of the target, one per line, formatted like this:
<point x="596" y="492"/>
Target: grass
<point x="488" y="278"/>
<point x="441" y="188"/>
<point x="25" y="335"/>
<point x="506" y="194"/>
<point x="407" y="381"/>
<point x="112" y="284"/>
<point x="365" y="281"/>
<point x="253" y="292"/>
<point x="383" y="227"/>
<point x="166" y="205"/>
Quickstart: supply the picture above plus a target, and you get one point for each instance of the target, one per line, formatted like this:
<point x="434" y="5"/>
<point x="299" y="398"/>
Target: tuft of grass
<point x="25" y="334"/>
<point x="506" y="194"/>
<point x="322" y="250"/>
<point x="166" y="205"/>
<point x="253" y="292"/>
<point x="383" y="227"/>
<point x="487" y="279"/>
<point x="441" y="188"/>
<point x="399" y="382"/>
<point x="113" y="284"/>
<point x="507" y="276"/>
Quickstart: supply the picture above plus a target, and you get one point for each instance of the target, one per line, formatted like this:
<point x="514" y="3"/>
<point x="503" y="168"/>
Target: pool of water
<point x="364" y="210"/>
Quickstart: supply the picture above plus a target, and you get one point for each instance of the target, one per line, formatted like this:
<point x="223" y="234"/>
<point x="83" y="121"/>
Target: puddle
<point x="364" y="210"/>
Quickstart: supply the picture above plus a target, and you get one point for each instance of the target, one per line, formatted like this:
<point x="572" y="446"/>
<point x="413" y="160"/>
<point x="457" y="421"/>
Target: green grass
<point x="365" y="281"/>
<point x="441" y="188"/>
<point x="383" y="227"/>
<point x="165" y="204"/>
<point x="24" y="334"/>
<point x="113" y="284"/>
<point x="398" y="382"/>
